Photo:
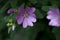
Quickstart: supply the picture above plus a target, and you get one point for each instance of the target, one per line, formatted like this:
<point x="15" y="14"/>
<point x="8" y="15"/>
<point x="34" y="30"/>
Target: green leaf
<point x="22" y="5"/>
<point x="2" y="24"/>
<point x="40" y="14"/>
<point x="4" y="8"/>
<point x="43" y="2"/>
<point x="9" y="30"/>
<point x="54" y="3"/>
<point x="1" y="36"/>
<point x="56" y="31"/>
<point x="33" y="1"/>
<point x="13" y="3"/>
<point x="45" y="8"/>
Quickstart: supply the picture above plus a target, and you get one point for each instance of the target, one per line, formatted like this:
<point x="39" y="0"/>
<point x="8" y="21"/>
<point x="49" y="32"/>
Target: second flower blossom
<point x="54" y="16"/>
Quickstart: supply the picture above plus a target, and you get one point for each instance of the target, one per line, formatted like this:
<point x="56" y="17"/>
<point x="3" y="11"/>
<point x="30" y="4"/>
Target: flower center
<point x="25" y="14"/>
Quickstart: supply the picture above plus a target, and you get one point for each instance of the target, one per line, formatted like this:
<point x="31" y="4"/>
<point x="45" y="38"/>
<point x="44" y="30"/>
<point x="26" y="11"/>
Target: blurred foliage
<point x="40" y="30"/>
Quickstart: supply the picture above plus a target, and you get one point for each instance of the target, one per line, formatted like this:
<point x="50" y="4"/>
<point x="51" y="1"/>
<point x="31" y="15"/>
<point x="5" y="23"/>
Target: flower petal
<point x="25" y="24"/>
<point x="30" y="10"/>
<point x="55" y="22"/>
<point x="50" y="17"/>
<point x="10" y="11"/>
<point x="53" y="13"/>
<point x="33" y="15"/>
<point x="54" y="16"/>
<point x="33" y="9"/>
<point x="33" y="19"/>
<point x="21" y="10"/>
<point x="29" y="22"/>
<point x="19" y="19"/>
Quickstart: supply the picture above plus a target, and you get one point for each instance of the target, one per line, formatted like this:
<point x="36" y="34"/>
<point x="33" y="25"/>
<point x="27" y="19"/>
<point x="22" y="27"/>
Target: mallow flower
<point x="54" y="15"/>
<point x="11" y="11"/>
<point x="25" y="16"/>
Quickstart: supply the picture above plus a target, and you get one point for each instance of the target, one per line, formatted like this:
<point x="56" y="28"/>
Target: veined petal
<point x="30" y="10"/>
<point x="54" y="16"/>
<point x="55" y="22"/>
<point x="52" y="13"/>
<point x="55" y="10"/>
<point x="33" y="15"/>
<point x="25" y="24"/>
<point x="29" y="22"/>
<point x="19" y="19"/>
<point x="33" y="19"/>
<point x="33" y="9"/>
<point x="21" y="10"/>
<point x="50" y="17"/>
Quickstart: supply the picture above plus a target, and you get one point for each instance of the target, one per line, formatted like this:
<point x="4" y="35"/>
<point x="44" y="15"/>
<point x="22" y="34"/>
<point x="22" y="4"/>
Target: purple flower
<point x="54" y="15"/>
<point x="26" y="16"/>
<point x="10" y="11"/>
